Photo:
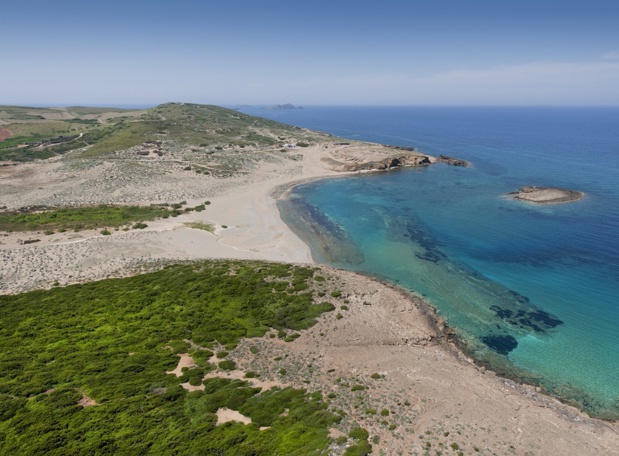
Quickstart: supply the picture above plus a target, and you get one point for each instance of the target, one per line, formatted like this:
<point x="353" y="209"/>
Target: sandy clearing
<point x="185" y="361"/>
<point x="86" y="401"/>
<point x="240" y="375"/>
<point x="224" y="415"/>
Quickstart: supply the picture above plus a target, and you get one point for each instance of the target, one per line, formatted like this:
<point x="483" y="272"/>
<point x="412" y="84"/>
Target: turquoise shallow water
<point x="532" y="291"/>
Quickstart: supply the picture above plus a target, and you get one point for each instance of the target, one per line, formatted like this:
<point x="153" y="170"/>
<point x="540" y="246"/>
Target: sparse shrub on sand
<point x="201" y="226"/>
<point x="292" y="337"/>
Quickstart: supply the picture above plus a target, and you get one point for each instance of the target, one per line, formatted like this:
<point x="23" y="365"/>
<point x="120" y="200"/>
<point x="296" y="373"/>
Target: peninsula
<point x="154" y="300"/>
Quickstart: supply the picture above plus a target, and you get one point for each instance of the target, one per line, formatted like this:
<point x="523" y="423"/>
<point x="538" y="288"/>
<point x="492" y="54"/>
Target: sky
<point x="337" y="52"/>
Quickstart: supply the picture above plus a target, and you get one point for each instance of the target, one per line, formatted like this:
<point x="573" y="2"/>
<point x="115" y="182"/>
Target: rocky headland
<point x="358" y="156"/>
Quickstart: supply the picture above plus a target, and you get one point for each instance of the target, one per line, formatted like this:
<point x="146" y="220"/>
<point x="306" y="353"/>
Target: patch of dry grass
<point x="201" y="226"/>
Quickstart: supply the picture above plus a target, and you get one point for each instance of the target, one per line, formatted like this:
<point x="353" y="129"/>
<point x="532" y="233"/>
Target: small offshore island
<point x="546" y="195"/>
<point x="154" y="302"/>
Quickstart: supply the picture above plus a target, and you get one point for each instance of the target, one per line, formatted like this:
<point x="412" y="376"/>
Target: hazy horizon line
<point x="303" y="105"/>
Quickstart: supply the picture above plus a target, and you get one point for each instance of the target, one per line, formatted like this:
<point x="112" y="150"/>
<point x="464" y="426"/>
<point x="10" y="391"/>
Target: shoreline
<point x="451" y="340"/>
<point x="450" y="334"/>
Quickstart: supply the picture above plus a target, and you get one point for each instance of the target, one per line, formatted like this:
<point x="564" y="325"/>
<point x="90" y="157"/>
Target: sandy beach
<point x="384" y="331"/>
<point x="243" y="211"/>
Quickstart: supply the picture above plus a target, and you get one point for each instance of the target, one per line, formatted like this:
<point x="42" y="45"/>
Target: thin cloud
<point x="556" y="83"/>
<point x="540" y="72"/>
<point x="612" y="55"/>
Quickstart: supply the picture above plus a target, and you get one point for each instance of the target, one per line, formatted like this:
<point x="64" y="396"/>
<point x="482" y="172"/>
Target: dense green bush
<point x="227" y="365"/>
<point x="362" y="447"/>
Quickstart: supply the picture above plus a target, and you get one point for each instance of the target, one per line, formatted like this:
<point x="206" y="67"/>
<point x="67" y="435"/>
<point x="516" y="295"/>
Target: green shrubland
<point x="114" y="340"/>
<point x="85" y="217"/>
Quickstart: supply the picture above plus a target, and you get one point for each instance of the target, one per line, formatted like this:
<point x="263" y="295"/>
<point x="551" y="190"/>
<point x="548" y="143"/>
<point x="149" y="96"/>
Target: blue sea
<point x="531" y="291"/>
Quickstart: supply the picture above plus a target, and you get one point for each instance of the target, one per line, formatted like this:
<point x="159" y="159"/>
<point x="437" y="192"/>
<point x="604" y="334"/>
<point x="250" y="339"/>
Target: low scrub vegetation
<point x="80" y="218"/>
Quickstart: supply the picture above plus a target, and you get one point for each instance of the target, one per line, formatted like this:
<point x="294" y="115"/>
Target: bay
<point x="532" y="291"/>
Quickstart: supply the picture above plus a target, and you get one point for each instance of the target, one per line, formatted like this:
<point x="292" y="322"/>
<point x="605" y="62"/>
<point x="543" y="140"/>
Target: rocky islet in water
<point x="546" y="195"/>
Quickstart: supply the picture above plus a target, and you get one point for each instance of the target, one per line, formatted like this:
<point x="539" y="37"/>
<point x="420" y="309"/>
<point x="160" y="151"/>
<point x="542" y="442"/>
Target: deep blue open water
<point x="532" y="291"/>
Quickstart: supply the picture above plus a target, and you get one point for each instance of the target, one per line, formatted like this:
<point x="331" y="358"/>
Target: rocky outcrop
<point x="406" y="148"/>
<point x="390" y="163"/>
<point x="359" y="156"/>
<point x="452" y="161"/>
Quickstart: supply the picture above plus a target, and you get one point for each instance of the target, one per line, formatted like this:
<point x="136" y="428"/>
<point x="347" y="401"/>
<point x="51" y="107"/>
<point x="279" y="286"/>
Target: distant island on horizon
<point x="283" y="106"/>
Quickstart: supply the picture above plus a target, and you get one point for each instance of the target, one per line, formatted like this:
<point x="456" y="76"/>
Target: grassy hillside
<point x="195" y="125"/>
<point x="46" y="132"/>
<point x="84" y="367"/>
